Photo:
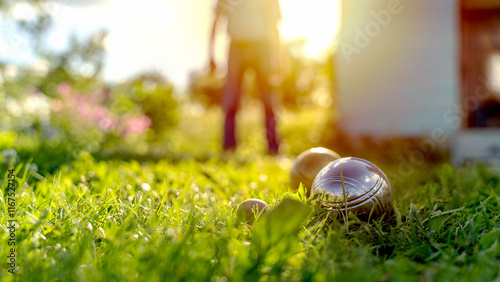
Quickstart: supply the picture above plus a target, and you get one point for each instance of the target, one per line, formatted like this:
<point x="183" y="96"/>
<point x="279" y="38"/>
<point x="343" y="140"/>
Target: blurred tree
<point x="33" y="27"/>
<point x="154" y="96"/>
<point x="81" y="64"/>
<point x="84" y="112"/>
<point x="206" y="88"/>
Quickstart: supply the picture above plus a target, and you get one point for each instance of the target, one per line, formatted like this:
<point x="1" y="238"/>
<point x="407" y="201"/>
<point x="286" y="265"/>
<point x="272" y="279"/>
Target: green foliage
<point x="127" y="220"/>
<point x="305" y="129"/>
<point x="275" y="240"/>
<point x="301" y="77"/>
<point x="206" y="88"/>
<point x="176" y="219"/>
<point x="80" y="65"/>
<point x="155" y="97"/>
<point x="46" y="154"/>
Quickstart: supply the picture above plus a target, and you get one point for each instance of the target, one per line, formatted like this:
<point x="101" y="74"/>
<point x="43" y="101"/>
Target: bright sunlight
<point x="316" y="21"/>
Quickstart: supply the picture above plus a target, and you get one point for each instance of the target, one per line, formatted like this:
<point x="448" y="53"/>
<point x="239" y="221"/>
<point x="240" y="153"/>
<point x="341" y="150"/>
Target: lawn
<point x="123" y="218"/>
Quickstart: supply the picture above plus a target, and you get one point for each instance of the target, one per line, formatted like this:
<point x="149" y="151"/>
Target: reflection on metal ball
<point x="247" y="208"/>
<point x="308" y="164"/>
<point x="367" y="189"/>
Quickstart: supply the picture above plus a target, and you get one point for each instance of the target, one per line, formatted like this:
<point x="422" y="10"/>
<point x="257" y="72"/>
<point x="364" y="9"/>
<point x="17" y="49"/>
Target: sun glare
<point x="316" y="21"/>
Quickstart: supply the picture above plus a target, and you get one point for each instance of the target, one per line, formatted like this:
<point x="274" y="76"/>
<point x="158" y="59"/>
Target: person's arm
<point x="211" y="43"/>
<point x="276" y="59"/>
<point x="275" y="49"/>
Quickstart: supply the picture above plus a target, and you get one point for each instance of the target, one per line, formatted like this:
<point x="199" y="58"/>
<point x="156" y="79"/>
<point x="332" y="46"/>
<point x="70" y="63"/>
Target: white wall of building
<point x="397" y="66"/>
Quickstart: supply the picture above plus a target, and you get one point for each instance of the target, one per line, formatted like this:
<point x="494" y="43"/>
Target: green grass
<point x="100" y="219"/>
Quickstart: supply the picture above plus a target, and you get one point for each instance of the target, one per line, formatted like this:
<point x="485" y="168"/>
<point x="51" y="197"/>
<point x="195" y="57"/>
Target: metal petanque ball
<point x="246" y="209"/>
<point x="308" y="164"/>
<point x="367" y="188"/>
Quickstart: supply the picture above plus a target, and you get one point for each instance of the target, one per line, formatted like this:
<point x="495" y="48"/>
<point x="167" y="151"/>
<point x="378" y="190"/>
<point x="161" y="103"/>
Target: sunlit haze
<point x="170" y="36"/>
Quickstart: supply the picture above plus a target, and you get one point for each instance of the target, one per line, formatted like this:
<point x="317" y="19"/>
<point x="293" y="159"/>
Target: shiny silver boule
<point x="308" y="164"/>
<point x="367" y="188"/>
<point x="246" y="209"/>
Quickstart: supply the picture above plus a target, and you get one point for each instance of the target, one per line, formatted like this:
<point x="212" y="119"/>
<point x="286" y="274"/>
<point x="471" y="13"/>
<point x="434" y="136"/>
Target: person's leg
<point x="272" y="138"/>
<point x="263" y="72"/>
<point x="231" y="96"/>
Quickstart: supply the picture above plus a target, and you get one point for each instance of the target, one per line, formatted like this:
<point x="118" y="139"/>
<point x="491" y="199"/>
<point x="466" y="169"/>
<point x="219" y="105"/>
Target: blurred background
<point x="167" y="36"/>
<point x="395" y="82"/>
<point x="128" y="80"/>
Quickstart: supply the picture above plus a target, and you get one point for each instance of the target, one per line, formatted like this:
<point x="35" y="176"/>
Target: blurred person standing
<point x="252" y="27"/>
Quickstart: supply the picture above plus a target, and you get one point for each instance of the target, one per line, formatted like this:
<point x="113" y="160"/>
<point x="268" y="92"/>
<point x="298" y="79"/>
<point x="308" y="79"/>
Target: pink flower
<point x="64" y="89"/>
<point x="106" y="124"/>
<point x="137" y="125"/>
<point x="82" y="108"/>
<point x="99" y="112"/>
